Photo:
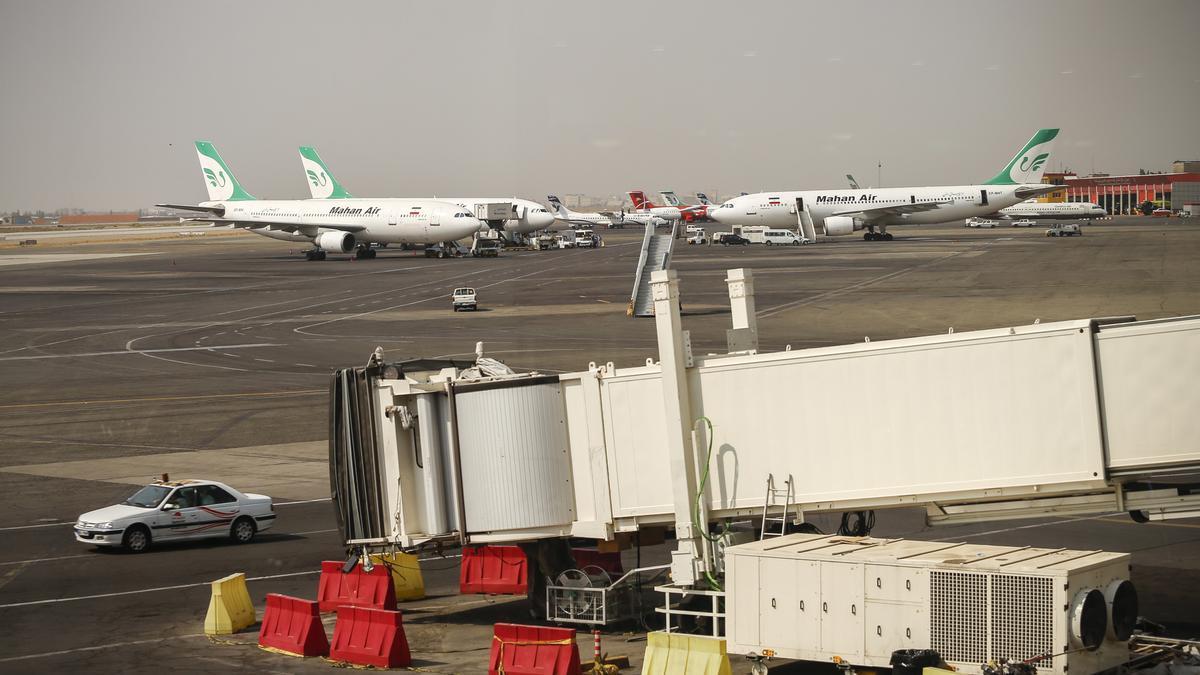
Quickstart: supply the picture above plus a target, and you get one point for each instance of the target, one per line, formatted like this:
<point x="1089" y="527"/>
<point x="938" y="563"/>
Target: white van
<point x="781" y="237"/>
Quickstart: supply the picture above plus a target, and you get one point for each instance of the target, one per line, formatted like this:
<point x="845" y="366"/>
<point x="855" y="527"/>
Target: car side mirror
<point x="170" y="506"/>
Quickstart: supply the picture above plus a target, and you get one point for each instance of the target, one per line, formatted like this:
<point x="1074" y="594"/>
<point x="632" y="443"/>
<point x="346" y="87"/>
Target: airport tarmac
<point x="211" y="357"/>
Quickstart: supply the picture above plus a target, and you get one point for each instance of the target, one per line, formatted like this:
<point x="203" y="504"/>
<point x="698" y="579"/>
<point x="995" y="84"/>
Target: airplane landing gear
<point x="364" y="253"/>
<point x="314" y="254"/>
<point x="872" y="235"/>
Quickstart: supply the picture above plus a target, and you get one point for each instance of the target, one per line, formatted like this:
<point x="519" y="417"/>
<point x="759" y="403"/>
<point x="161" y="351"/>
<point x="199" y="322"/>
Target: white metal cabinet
<point x="788" y="596"/>
<point x="842" y="609"/>
<point x="896" y="584"/>
<point x="891" y="626"/>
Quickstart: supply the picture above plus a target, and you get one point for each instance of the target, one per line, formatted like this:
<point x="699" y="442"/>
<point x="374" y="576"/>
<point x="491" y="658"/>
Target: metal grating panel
<point x="958" y="616"/>
<point x="1022" y="623"/>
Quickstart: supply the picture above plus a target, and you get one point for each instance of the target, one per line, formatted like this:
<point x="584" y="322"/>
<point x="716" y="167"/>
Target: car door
<point x="217" y="509"/>
<point x="178" y="514"/>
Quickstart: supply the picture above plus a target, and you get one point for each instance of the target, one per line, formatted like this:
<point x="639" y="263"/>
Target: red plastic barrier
<point x="533" y="650"/>
<point x="358" y="588"/>
<point x="370" y="637"/>
<point x="502" y="570"/>
<point x="293" y="625"/>
<point x="609" y="562"/>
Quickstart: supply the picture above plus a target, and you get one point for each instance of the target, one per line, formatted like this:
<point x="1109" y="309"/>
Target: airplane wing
<point x="880" y="212"/>
<point x="308" y="230"/>
<point x="219" y="210"/>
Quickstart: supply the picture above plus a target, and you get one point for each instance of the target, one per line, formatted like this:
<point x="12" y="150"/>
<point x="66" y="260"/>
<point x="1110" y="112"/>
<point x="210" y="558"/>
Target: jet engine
<point x="335" y="240"/>
<point x="836" y="226"/>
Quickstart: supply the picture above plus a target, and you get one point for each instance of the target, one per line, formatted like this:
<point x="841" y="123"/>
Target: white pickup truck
<point x="463" y="298"/>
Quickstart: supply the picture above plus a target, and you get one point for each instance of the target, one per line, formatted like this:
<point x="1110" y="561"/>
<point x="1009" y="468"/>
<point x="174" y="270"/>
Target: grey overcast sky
<point x="101" y="100"/>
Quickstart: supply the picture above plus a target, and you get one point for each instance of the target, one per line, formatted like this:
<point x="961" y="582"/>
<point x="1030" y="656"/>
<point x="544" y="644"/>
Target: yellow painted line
<point x="151" y="399"/>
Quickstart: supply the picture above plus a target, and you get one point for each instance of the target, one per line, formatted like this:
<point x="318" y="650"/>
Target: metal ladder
<point x="773" y="494"/>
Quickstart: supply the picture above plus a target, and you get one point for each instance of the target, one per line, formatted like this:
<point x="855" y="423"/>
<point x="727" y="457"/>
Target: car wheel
<point x="243" y="530"/>
<point x="770" y="243"/>
<point x="136" y="539"/>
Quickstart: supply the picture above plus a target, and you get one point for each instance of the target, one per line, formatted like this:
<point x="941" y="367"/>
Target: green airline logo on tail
<point x="317" y="182"/>
<point x="322" y="183"/>
<point x="1029" y="164"/>
<point x="218" y="179"/>
<point x="1036" y="163"/>
<point x="212" y="178"/>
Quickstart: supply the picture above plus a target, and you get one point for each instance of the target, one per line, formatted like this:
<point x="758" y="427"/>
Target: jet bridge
<point x="1013" y="422"/>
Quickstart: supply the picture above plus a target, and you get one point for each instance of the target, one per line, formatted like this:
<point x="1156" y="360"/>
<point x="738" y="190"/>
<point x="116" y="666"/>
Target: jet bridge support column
<point x="674" y="355"/>
<point x="743" y="337"/>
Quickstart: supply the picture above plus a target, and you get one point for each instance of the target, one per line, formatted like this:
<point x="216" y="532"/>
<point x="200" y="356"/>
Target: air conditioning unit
<point x="814" y="597"/>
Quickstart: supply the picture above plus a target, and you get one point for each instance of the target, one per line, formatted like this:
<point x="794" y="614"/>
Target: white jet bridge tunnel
<point x="1014" y="422"/>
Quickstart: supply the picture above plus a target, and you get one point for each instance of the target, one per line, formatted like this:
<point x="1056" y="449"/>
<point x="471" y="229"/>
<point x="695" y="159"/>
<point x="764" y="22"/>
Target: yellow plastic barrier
<point x="679" y="654"/>
<point x="230" y="609"/>
<point x="406" y="574"/>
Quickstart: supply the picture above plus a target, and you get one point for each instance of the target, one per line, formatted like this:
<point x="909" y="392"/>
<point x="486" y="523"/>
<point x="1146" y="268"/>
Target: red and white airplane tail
<point x="640" y="203"/>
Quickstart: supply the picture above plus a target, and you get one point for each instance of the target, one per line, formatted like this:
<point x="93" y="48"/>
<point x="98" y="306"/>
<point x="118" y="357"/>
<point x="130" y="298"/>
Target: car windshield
<point x="148" y="497"/>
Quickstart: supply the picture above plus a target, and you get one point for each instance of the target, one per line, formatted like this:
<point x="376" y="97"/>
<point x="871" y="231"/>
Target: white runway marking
<point x="158" y="589"/>
<point x="61" y="652"/>
<point x="1030" y="527"/>
<point x="52" y="601"/>
<point x="139" y="351"/>
<point x="42" y="560"/>
<point x="46" y="258"/>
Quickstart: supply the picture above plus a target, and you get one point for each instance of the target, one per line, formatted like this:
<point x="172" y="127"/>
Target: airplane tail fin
<point x="558" y="206"/>
<point x="853" y="183"/>
<point x="218" y="179"/>
<point x="669" y="198"/>
<point x="639" y="200"/>
<point x="321" y="183"/>
<point x="704" y="199"/>
<point x="1029" y="164"/>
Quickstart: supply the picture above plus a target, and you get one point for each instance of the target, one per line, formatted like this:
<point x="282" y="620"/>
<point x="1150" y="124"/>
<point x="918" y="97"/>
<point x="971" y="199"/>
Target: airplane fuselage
<point x="383" y="221"/>
<point x="778" y="209"/>
<point x="1052" y="211"/>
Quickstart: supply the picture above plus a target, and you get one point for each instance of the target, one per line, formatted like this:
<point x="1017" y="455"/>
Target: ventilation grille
<point x="1022" y="624"/>
<point x="958" y="616"/>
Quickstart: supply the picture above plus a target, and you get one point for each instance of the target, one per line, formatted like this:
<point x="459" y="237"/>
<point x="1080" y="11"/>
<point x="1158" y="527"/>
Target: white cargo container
<point x="813" y="597"/>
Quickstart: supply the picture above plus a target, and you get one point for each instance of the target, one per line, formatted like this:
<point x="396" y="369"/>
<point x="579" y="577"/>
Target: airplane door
<point x="393" y="217"/>
<point x="983" y="198"/>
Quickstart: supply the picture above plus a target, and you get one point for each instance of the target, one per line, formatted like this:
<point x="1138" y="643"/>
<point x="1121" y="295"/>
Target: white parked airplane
<point x="643" y="205"/>
<point x="577" y="218"/>
<point x="526" y="216"/>
<point x="842" y="212"/>
<point x="1036" y="210"/>
<point x="341" y="225"/>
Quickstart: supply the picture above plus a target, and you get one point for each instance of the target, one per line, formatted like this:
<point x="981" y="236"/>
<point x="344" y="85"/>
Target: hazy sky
<point x="101" y="100"/>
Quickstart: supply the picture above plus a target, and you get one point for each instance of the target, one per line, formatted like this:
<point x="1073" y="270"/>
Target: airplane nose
<point x="541" y="219"/>
<point x="715" y="214"/>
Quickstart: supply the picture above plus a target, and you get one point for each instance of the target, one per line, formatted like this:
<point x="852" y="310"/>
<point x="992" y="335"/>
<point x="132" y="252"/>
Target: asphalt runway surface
<point x="219" y="348"/>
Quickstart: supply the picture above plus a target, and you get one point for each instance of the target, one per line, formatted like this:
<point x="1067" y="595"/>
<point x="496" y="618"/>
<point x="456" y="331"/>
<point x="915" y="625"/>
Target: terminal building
<point x="1124" y="194"/>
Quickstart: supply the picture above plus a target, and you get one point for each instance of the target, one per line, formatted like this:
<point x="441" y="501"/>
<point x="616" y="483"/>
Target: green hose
<point x="696" y="525"/>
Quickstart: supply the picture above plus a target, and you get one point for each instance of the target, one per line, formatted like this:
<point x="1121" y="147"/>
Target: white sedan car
<point x="177" y="511"/>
